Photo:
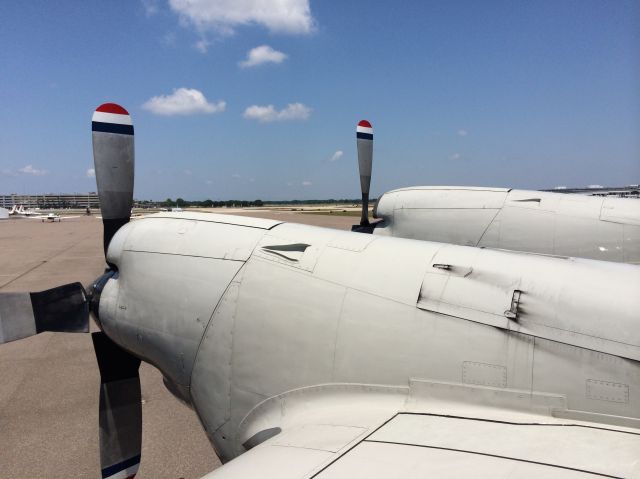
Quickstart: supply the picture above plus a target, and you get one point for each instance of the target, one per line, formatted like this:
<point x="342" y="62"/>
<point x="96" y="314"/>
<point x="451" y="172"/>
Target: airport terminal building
<point x="51" y="200"/>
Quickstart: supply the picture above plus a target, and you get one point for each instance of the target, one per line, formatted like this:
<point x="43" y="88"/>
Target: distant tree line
<point x="318" y="202"/>
<point x="182" y="203"/>
<point x="179" y="202"/>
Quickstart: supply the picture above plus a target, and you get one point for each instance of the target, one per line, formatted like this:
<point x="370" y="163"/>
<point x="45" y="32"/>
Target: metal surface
<point x="48" y="398"/>
<point x="345" y="309"/>
<point x="114" y="160"/>
<point x="364" y="139"/>
<point x="114" y="157"/>
<point x="540" y="222"/>
<point x="335" y="334"/>
<point x="60" y="309"/>
<point x="120" y="416"/>
<point x="50" y="380"/>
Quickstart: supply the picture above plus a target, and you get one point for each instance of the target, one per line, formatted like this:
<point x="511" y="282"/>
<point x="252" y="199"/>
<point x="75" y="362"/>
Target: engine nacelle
<point x="172" y="269"/>
<point x="591" y="227"/>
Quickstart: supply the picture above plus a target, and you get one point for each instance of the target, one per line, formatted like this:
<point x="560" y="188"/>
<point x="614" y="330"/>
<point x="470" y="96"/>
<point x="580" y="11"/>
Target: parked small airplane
<point x="53" y="217"/>
<point x="309" y="352"/>
<point x="20" y="211"/>
<point x="562" y="224"/>
<point x="50" y="217"/>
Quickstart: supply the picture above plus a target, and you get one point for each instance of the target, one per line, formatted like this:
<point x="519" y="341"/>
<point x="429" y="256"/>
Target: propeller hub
<point x="94" y="293"/>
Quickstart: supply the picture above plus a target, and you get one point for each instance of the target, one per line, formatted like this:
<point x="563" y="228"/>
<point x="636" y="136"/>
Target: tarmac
<point x="49" y="383"/>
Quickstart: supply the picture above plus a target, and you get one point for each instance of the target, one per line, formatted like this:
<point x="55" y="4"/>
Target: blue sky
<point x="516" y="94"/>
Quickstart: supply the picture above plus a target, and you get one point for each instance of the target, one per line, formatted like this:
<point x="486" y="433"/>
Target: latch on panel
<point x="446" y="267"/>
<point x="512" y="312"/>
<point x="463" y="271"/>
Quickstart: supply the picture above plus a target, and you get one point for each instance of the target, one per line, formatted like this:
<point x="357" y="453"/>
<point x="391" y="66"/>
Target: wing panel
<point x="373" y="460"/>
<point x="272" y="462"/>
<point x="579" y="448"/>
<point x="621" y="210"/>
<point x="430" y="445"/>
<point x="463" y="226"/>
<point x="192" y="236"/>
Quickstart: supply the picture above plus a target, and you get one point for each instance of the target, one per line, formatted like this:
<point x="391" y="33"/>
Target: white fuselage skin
<point x="235" y="311"/>
<point x="606" y="229"/>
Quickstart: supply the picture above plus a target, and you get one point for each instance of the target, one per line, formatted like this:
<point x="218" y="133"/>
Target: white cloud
<point x="262" y="54"/>
<point x="7" y="172"/>
<point x="30" y="170"/>
<point x="183" y="101"/>
<point x="455" y="156"/>
<point x="202" y="45"/>
<point x="222" y="16"/>
<point x="150" y="7"/>
<point x="336" y="156"/>
<point x="235" y="176"/>
<point x="266" y="114"/>
<point x="91" y="173"/>
<point x="169" y="39"/>
<point x="306" y="183"/>
<point x="462" y="132"/>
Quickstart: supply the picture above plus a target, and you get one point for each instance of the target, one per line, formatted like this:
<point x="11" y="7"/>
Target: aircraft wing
<point x="426" y="438"/>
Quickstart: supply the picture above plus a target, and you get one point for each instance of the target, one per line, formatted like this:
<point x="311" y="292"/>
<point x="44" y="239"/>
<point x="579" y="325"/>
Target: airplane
<point x="309" y="352"/>
<point x="21" y="212"/>
<point x="49" y="217"/>
<point x="522" y="220"/>
<point x="53" y="217"/>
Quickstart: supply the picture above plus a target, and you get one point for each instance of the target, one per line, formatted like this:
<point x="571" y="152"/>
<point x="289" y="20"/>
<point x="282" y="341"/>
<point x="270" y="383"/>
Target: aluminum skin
<point x="242" y="316"/>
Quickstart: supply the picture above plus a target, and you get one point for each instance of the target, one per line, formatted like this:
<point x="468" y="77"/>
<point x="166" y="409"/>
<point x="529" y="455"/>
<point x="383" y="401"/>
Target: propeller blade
<point x="364" y="137"/>
<point x="113" y="156"/>
<point x="120" y="415"/>
<point x="62" y="309"/>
